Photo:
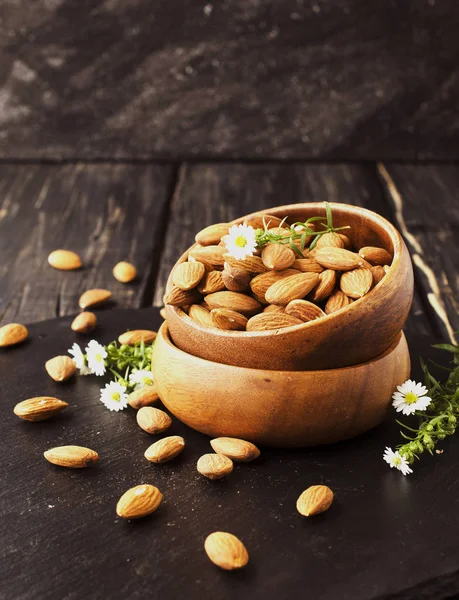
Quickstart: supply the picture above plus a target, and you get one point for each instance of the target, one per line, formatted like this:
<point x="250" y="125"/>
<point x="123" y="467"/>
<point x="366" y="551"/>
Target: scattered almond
<point x="153" y="420"/>
<point x="236" y="449"/>
<point x="143" y="397"/>
<point x="165" y="449"/>
<point x="212" y="282"/>
<point x="139" y="501"/>
<point x="74" y="457"/>
<point x="39" y="408"/>
<point x="304" y="310"/>
<point x="187" y="275"/>
<point x="94" y="297"/>
<point x="315" y="500"/>
<point x="214" y="466"/>
<point x="226" y="550"/>
<point x="224" y="318"/>
<point x="12" y="334"/>
<point x="60" y="368"/>
<point x="377" y="273"/>
<point x="337" y="301"/>
<point x="375" y="256"/>
<point x="330" y="239"/>
<point x="338" y="259"/>
<point x="213" y="255"/>
<point x="252" y="264"/>
<point x="124" y="272"/>
<point x="307" y="265"/>
<point x="325" y="287"/>
<point x="84" y="322"/>
<point x="291" y="288"/>
<point x="277" y="256"/>
<point x="271" y="320"/>
<point x="241" y="303"/>
<point x="212" y="235"/>
<point x="131" y="338"/>
<point x="356" y="283"/>
<point x="178" y="297"/>
<point x="201" y="315"/>
<point x="64" y="260"/>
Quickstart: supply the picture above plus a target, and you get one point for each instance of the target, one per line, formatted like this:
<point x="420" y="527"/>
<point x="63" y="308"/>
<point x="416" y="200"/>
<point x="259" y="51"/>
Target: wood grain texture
<point x="105" y="213"/>
<point x="334" y="79"/>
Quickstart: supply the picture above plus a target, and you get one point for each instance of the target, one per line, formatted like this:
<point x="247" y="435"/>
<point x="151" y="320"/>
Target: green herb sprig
<point x="122" y="359"/>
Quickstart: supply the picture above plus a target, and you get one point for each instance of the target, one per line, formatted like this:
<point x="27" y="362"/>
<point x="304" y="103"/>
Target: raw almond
<point x="338" y="259"/>
<point x="131" y="338"/>
<point x="271" y="320"/>
<point x="274" y="308"/>
<point x="124" y="272"/>
<point x="291" y="288"/>
<point x="64" y="260"/>
<point x="153" y="420"/>
<point x="39" y="408"/>
<point x="212" y="282"/>
<point x="139" y="501"/>
<point x="356" y="283"/>
<point x="252" y="264"/>
<point x="378" y="273"/>
<point x="213" y="255"/>
<point x="304" y="310"/>
<point x="165" y="449"/>
<point x="235" y="279"/>
<point x="261" y="283"/>
<point x="346" y="241"/>
<point x="315" y="500"/>
<point x="224" y="318"/>
<point x="277" y="256"/>
<point x="94" y="298"/>
<point x="241" y="303"/>
<point x="178" y="297"/>
<point x="187" y="275"/>
<point x="211" y="236"/>
<point x="84" y="322"/>
<point x="214" y="466"/>
<point x="12" y="334"/>
<point x="74" y="457"/>
<point x="200" y="315"/>
<point x="307" y="265"/>
<point x="325" y="287"/>
<point x="226" y="550"/>
<point x="143" y="397"/>
<point x="330" y="239"/>
<point x="263" y="221"/>
<point x="375" y="256"/>
<point x="236" y="449"/>
<point x="60" y="368"/>
<point x="337" y="301"/>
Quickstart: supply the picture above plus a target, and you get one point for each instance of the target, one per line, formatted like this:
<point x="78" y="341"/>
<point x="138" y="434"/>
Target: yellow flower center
<point x="146" y="380"/>
<point x="410" y="398"/>
<point x="397" y="461"/>
<point x="241" y="241"/>
<point x="99" y="358"/>
<point x="116" y="396"/>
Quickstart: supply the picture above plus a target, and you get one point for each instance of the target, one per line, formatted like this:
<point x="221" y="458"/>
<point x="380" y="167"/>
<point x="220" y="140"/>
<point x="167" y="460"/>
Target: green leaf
<point x="328" y="212"/>
<point x="447" y="347"/>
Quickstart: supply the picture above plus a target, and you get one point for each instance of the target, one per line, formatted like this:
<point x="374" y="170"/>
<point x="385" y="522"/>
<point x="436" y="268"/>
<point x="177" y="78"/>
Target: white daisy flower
<point x="410" y="397"/>
<point x="141" y="378"/>
<point x="240" y="241"/>
<point x="114" y="396"/>
<point x="79" y="359"/>
<point x="95" y="354"/>
<point x="397" y="461"/>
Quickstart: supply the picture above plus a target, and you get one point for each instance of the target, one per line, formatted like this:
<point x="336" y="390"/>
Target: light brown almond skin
<point x="165" y="449"/>
<point x="262" y="282"/>
<point x="241" y="303"/>
<point x="274" y="308"/>
<point x="214" y="466"/>
<point x="315" y="500"/>
<point x="378" y="274"/>
<point x="270" y="321"/>
<point x="139" y="501"/>
<point x="12" y="334"/>
<point x="131" y="338"/>
<point x="213" y="255"/>
<point x="94" y="297"/>
<point x="39" y="408"/>
<point x="277" y="256"/>
<point x="304" y="310"/>
<point x="64" y="260"/>
<point x="143" y="397"/>
<point x="326" y="285"/>
<point x="226" y="551"/>
<point x="227" y="319"/>
<point x="346" y="241"/>
<point x="235" y="279"/>
<point x="291" y="288"/>
<point x="330" y="239"/>
<point x="124" y="272"/>
<point x="73" y="457"/>
<point x="356" y="283"/>
<point x="187" y="275"/>
<point x="252" y="264"/>
<point x="235" y="449"/>
<point x="178" y="297"/>
<point x="263" y="221"/>
<point x="211" y="236"/>
<point x="307" y="265"/>
<point x="337" y="301"/>
<point x="153" y="420"/>
<point x="375" y="256"/>
<point x="338" y="259"/>
<point x="212" y="282"/>
<point x="200" y="315"/>
<point x="85" y="322"/>
<point x="60" y="368"/>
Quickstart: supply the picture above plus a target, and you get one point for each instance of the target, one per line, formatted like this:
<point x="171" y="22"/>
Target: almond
<point x="378" y="273"/>
<point x="261" y="283"/>
<point x="234" y="301"/>
<point x="143" y="397"/>
<point x="263" y="221"/>
<point x="224" y="318"/>
<point x="304" y="310"/>
<point x="214" y="466"/>
<point x="201" y="315"/>
<point x="346" y="241"/>
<point x="291" y="288"/>
<point x="271" y="320"/>
<point x="236" y="449"/>
<point x="212" y="282"/>
<point x="124" y="272"/>
<point x="213" y="255"/>
<point x="252" y="264"/>
<point x="315" y="500"/>
<point x="187" y="275"/>
<point x="274" y="308"/>
<point x="330" y="240"/>
<point x="84" y="322"/>
<point x="178" y="297"/>
<point x="165" y="449"/>
<point x="39" y="408"/>
<point x="131" y="338"/>
<point x="235" y="279"/>
<point x="60" y="368"/>
<point x="336" y="302"/>
<point x="212" y="235"/>
<point x="277" y="256"/>
<point x="338" y="259"/>
<point x="226" y="550"/>
<point x="74" y="457"/>
<point x="325" y="287"/>
<point x="139" y="501"/>
<point x="375" y="256"/>
<point x="12" y="334"/>
<point x="356" y="283"/>
<point x="64" y="260"/>
<point x="94" y="298"/>
<point x="153" y="420"/>
<point x="307" y="265"/>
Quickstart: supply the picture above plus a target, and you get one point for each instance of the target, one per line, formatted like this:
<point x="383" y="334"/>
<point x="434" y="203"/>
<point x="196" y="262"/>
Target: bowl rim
<point x="396" y="240"/>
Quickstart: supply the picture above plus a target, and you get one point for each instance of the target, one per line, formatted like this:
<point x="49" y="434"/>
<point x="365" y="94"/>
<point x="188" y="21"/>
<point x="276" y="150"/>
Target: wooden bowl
<point x="353" y="335"/>
<point x="277" y="408"/>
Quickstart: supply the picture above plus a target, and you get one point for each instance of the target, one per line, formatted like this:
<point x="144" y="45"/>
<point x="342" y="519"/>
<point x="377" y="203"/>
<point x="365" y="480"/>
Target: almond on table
<point x="214" y="466"/>
<point x="226" y="550"/>
<point x="60" y="368"/>
<point x="73" y="457"/>
<point x="144" y="396"/>
<point x="165" y="449"/>
<point x="12" y="334"/>
<point x="131" y="338"/>
<point x="139" y="501"/>
<point x="124" y="272"/>
<point x="39" y="408"/>
<point x="64" y="260"/>
<point x="236" y="449"/>
<point x="315" y="500"/>
<point x="94" y="297"/>
<point x="153" y="420"/>
<point x="85" y="322"/>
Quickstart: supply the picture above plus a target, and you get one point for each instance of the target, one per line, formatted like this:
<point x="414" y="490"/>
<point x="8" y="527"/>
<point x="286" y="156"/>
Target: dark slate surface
<point x="347" y="79"/>
<point x="385" y="537"/>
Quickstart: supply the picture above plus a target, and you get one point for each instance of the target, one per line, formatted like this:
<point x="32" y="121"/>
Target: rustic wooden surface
<point x="341" y="79"/>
